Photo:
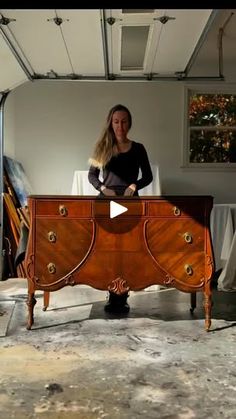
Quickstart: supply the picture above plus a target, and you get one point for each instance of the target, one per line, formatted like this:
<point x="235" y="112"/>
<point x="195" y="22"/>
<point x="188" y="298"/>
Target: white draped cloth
<point x="223" y="233"/>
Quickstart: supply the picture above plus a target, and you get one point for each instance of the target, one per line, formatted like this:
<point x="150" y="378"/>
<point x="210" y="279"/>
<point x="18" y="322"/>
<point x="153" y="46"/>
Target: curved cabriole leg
<point x="46" y="296"/>
<point x="30" y="303"/>
<point x="193" y="301"/>
<point x="207" y="306"/>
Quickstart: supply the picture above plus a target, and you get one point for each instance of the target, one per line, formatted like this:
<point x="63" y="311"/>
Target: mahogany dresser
<point x="159" y="240"/>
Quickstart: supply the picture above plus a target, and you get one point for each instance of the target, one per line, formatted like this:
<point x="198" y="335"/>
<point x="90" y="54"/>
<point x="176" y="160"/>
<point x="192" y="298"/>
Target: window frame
<point x="230" y="88"/>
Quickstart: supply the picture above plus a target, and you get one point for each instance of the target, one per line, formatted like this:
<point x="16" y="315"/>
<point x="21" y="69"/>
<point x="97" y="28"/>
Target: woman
<point x="120" y="160"/>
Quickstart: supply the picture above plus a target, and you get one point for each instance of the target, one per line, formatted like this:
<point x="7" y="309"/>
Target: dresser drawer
<point x="176" y="209"/>
<point x="186" y="269"/>
<point x="101" y="208"/>
<point x="175" y="235"/>
<point x="61" y="246"/>
<point x="63" y="208"/>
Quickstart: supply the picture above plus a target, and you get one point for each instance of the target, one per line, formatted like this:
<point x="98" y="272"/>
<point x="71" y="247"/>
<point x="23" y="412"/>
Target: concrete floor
<point x="79" y="362"/>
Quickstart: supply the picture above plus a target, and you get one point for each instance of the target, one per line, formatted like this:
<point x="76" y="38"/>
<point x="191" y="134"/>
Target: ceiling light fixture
<point x="111" y="20"/>
<point x="52" y="74"/>
<point x="164" y="19"/>
<point x="5" y="20"/>
<point x="58" y="20"/>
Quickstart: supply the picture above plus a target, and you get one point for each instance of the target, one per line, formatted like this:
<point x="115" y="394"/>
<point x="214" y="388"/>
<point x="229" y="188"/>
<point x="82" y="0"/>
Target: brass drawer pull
<point x="52" y="236"/>
<point x="188" y="269"/>
<point x="177" y="211"/>
<point x="63" y="210"/>
<point x="188" y="237"/>
<point x="51" y="268"/>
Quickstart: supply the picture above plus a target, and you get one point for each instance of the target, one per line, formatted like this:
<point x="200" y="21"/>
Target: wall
<point x="57" y="124"/>
<point x="9" y="126"/>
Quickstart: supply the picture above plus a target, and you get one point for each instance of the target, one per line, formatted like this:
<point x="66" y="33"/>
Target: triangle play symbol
<point x="116" y="209"/>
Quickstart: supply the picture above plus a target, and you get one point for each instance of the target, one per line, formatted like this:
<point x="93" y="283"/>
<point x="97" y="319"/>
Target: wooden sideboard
<point x="169" y="244"/>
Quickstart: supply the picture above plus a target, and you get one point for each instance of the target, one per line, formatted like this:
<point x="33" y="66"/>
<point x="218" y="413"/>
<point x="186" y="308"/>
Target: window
<point x="211" y="129"/>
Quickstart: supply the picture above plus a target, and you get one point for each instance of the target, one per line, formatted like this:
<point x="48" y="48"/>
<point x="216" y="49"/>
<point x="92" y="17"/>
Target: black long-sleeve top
<point x="123" y="170"/>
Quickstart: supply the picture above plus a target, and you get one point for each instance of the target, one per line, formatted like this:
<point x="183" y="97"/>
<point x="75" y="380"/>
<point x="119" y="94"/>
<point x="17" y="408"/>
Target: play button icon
<point x="116" y="209"/>
<point x="118" y="215"/>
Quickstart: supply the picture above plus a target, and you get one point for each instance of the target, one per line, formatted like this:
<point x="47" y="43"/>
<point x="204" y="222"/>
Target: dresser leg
<point x="207" y="306"/>
<point x="193" y="301"/>
<point x="46" y="296"/>
<point x="30" y="303"/>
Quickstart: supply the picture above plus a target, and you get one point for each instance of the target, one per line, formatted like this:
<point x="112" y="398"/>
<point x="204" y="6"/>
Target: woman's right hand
<point x="108" y="192"/>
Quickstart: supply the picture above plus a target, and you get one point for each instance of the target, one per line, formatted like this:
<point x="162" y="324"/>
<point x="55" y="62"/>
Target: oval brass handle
<point x="188" y="237"/>
<point x="63" y="210"/>
<point x="188" y="269"/>
<point x="177" y="211"/>
<point x="51" y="268"/>
<point x="52" y="236"/>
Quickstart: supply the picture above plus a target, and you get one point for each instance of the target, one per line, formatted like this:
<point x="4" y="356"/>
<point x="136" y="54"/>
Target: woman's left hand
<point x="130" y="190"/>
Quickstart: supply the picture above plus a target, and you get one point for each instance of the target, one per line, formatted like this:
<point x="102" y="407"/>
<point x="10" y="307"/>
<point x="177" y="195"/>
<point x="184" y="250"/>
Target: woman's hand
<point x="130" y="190"/>
<point x="108" y="192"/>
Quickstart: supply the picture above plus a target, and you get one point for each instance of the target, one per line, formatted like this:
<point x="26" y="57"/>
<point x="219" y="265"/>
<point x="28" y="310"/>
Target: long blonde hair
<point x="105" y="148"/>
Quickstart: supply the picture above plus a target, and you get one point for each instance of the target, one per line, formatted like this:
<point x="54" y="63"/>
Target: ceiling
<point x="116" y="44"/>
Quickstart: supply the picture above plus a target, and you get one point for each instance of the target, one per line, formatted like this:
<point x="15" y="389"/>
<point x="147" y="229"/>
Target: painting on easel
<point x="18" y="179"/>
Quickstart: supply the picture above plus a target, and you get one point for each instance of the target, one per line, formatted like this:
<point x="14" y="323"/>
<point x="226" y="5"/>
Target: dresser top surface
<point x="144" y="198"/>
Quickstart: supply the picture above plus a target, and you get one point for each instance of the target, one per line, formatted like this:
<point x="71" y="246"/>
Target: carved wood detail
<point x="209" y="267"/>
<point x="169" y="281"/>
<point x="70" y="280"/>
<point x="118" y="286"/>
<point x="31" y="301"/>
<point x="30" y="266"/>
